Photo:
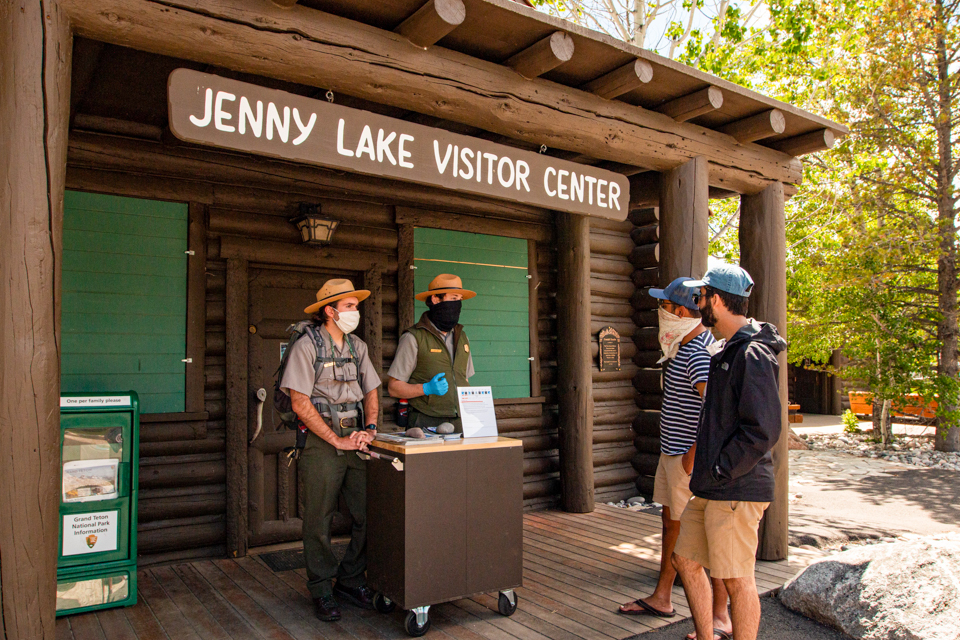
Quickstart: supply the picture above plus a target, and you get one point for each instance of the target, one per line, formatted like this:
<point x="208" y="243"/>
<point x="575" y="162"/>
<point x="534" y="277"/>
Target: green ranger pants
<point x="325" y="477"/>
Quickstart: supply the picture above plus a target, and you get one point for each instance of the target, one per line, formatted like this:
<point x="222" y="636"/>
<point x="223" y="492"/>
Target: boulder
<point x="796" y="443"/>
<point x="894" y="591"/>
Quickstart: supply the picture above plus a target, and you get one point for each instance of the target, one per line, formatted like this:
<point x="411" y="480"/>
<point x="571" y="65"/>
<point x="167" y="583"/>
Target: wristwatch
<point x="370" y="427"/>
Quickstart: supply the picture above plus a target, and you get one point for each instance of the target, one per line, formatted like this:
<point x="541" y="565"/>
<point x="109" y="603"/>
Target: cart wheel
<point x="383" y="604"/>
<point x="504" y="605"/>
<point x="415" y="630"/>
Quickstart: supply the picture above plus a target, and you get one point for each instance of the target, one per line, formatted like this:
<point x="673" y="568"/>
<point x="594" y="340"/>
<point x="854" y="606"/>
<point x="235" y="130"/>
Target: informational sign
<point x="476" y="412"/>
<point x="90" y="532"/>
<point x="210" y="110"/>
<point x="94" y="401"/>
<point x="609" y="340"/>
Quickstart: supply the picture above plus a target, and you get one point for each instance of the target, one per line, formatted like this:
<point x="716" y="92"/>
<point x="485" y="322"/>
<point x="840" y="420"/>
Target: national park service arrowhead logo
<point x="91" y="540"/>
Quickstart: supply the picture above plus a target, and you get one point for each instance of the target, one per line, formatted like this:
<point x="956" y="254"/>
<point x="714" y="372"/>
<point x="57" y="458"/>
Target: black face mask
<point x="445" y="315"/>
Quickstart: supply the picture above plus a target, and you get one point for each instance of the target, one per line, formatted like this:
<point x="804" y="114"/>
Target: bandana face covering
<point x="672" y="331"/>
<point x="348" y="321"/>
<point x="445" y="315"/>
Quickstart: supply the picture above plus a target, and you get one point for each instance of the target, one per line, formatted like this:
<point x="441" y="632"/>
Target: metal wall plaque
<point x="609" y="341"/>
<point x="207" y="109"/>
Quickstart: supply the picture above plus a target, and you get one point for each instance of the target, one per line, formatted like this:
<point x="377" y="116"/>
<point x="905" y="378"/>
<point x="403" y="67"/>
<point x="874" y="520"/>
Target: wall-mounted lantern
<point x="314" y="228"/>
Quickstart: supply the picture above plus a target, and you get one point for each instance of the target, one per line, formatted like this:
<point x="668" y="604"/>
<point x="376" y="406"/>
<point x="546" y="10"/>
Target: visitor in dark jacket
<point x="732" y="480"/>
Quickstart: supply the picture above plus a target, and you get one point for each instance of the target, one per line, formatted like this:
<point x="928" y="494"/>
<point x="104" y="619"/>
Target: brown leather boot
<point x="326" y="608"/>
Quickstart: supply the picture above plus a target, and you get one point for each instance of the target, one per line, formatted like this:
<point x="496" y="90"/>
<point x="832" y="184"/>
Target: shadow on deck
<point x="577" y="568"/>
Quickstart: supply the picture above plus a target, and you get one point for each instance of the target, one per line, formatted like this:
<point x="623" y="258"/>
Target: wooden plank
<point x="248" y="607"/>
<point x="267" y="252"/>
<point x="196" y="307"/>
<point x="62" y="630"/>
<point x="191" y="608"/>
<point x="473" y="224"/>
<point x="115" y="625"/>
<point x="142" y="619"/>
<point x="471" y="622"/>
<point x="174" y="623"/>
<point x="542" y="620"/>
<point x="514" y="625"/>
<point x="533" y="276"/>
<point x="86" y="626"/>
<point x="574" y="618"/>
<point x="215" y="603"/>
<point x="643" y="575"/>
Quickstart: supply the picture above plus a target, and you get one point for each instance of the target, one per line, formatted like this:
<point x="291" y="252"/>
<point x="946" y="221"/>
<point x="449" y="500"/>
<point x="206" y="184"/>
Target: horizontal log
<point x="432" y="21"/>
<point x="168" y="431"/>
<point x="644" y="485"/>
<point x="538" y="423"/>
<point x="627" y="349"/>
<point x="646" y="318"/>
<point x="613" y="394"/>
<point x="620" y="309"/>
<point x="763" y="125"/>
<point x="178" y="536"/>
<point x="647" y="444"/>
<point x="620" y="434"/>
<point x="605" y="243"/>
<point x="150" y="509"/>
<point x="208" y="445"/>
<point x="648" y="380"/>
<point x="616" y="286"/>
<point x="539" y="229"/>
<point x="645" y="277"/>
<point x="647" y="423"/>
<point x="547" y="54"/>
<point x="626" y="372"/>
<point x="647" y="234"/>
<point x="646" y="463"/>
<point x="614" y="475"/>
<point x="186" y="474"/>
<point x="615" y="493"/>
<point x="303" y="255"/>
<point x="641" y="300"/>
<point x="541" y="488"/>
<point x="645" y="338"/>
<point x="252" y="225"/>
<point x="522" y="410"/>
<point x="616" y="227"/>
<point x="693" y="104"/>
<point x="545" y="442"/>
<point x="540" y="466"/>
<point x="806" y="143"/>
<point x="642" y="216"/>
<point x="116" y="126"/>
<point x="645" y="256"/>
<point x="605" y="456"/>
<point x="145" y="560"/>
<point x="610" y="266"/>
<point x="620" y="81"/>
<point x="648" y="401"/>
<point x="216" y="343"/>
<point x="647" y="359"/>
<point x="624" y="327"/>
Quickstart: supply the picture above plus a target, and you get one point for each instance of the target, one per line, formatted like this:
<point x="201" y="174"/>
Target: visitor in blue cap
<point x="732" y="481"/>
<point x="684" y="341"/>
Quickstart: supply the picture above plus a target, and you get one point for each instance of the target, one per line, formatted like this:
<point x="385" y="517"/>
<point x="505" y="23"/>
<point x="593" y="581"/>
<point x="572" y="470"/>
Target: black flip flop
<point x="722" y="634"/>
<point x="647" y="610"/>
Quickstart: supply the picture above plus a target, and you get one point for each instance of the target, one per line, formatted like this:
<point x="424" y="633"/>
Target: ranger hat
<point x="446" y="283"/>
<point x="676" y="293"/>
<point x="336" y="289"/>
<point x="725" y="277"/>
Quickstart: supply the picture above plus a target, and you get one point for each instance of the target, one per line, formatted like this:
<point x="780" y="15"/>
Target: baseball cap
<point x="676" y="293"/>
<point x="725" y="277"/>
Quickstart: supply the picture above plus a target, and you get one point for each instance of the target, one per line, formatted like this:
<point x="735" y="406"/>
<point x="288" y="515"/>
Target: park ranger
<point x="333" y="389"/>
<point x="433" y="357"/>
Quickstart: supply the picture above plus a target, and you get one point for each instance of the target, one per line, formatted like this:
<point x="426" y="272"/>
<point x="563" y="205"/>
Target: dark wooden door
<point x="277" y="298"/>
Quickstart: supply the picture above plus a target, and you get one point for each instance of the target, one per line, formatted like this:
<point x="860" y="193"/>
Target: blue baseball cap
<point x="725" y="277"/>
<point x="676" y="293"/>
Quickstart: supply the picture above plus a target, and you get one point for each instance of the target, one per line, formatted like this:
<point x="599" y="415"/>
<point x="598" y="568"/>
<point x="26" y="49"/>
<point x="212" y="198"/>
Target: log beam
<point x="694" y="104"/>
<point x="684" y="232"/>
<point x="806" y="143"/>
<point x="237" y="298"/>
<point x="432" y="22"/>
<point x="35" y="49"/>
<point x="763" y="254"/>
<point x="763" y="125"/>
<point x="537" y="59"/>
<point x="285" y="4"/>
<point x="319" y="49"/>
<point x="574" y="382"/>
<point x="620" y="81"/>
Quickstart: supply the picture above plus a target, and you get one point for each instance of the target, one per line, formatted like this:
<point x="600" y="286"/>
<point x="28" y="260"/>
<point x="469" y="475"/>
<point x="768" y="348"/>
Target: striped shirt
<point x="680" y="413"/>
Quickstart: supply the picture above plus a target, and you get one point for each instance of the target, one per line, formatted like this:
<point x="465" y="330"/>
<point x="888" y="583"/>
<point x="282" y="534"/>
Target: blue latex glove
<point x="437" y="386"/>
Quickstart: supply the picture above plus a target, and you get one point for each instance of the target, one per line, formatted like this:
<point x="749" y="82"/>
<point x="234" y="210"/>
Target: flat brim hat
<point x="676" y="293"/>
<point x="725" y="277"/>
<point x="446" y="283"/>
<point x="336" y="289"/>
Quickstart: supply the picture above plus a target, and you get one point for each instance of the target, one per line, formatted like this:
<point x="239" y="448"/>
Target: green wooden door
<point x="125" y="298"/>
<point x="497" y="321"/>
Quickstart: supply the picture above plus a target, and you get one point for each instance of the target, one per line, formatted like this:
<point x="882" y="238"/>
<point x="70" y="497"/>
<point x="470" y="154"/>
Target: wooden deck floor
<point x="577" y="570"/>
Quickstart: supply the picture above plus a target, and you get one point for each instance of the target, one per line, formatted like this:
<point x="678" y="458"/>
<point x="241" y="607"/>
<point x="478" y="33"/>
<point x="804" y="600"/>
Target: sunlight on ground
<point x="647" y="548"/>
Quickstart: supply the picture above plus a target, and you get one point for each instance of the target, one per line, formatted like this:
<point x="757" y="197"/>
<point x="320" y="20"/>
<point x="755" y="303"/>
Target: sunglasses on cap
<point x="707" y="292"/>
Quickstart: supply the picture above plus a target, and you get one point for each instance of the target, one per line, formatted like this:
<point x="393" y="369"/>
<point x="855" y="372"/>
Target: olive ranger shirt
<point x="405" y="360"/>
<point x="337" y="383"/>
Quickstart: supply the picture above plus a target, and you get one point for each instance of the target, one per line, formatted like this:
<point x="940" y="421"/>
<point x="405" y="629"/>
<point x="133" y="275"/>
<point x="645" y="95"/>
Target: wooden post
<point x="372" y="314"/>
<point x="534" y="310"/>
<point x="763" y="254"/>
<point x="35" y="48"/>
<point x="237" y="312"/>
<point x="405" y="307"/>
<point x="574" y="382"/>
<point x="684" y="233"/>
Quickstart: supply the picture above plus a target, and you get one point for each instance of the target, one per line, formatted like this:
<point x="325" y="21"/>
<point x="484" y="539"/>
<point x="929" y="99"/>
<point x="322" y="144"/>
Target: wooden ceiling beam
<point x="806" y="143"/>
<point x="285" y="4"/>
<point x="431" y="22"/>
<point x="763" y="125"/>
<point x="621" y="81"/>
<point x="537" y="59"/>
<point x="693" y="104"/>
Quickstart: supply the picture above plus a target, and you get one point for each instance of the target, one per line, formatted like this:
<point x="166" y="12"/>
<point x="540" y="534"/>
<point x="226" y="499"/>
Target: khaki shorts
<point x="721" y="535"/>
<point x="671" y="486"/>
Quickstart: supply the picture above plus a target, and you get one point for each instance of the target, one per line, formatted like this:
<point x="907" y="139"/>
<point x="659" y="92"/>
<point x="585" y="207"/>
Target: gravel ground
<point x="917" y="451"/>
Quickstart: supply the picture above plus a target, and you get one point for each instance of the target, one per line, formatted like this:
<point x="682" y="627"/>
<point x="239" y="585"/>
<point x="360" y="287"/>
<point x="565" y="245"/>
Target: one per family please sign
<point x="210" y="110"/>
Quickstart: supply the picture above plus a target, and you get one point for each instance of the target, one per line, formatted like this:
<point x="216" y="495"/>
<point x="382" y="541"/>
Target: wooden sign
<point x="210" y="110"/>
<point x="609" y="341"/>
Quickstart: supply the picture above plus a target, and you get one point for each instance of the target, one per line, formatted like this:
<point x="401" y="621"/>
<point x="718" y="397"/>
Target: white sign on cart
<point x="476" y="412"/>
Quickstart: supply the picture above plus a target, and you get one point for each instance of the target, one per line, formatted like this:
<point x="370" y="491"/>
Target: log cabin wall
<point x="183" y="475"/>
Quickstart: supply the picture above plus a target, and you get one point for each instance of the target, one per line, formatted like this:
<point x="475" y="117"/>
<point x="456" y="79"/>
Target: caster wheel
<point x="504" y="605"/>
<point x="415" y="630"/>
<point x="383" y="604"/>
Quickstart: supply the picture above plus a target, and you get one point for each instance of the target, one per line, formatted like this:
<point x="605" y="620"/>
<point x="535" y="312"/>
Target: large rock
<point x="894" y="591"/>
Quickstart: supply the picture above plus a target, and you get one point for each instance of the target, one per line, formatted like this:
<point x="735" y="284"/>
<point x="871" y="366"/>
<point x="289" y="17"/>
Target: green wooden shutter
<point x="497" y="321"/>
<point x="125" y="298"/>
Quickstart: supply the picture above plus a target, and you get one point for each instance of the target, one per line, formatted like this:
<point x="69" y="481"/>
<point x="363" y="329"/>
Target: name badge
<point x="327" y="364"/>
<point x="436" y="350"/>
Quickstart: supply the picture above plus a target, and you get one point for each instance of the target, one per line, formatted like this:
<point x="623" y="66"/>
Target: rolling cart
<point x="444" y="522"/>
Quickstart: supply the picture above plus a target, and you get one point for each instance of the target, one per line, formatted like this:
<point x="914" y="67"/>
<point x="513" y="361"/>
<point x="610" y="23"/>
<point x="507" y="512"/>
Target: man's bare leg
<point x="697" y="587"/>
<point x="744" y="607"/>
<point x="661" y="598"/>
<point x="721" y="616"/>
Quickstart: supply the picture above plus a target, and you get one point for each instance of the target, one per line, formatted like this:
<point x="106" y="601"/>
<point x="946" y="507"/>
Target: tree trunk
<point x="886" y="426"/>
<point x="35" y="49"/>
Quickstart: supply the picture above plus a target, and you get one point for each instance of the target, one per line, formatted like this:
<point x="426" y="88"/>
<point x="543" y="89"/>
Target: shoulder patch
<point x="466" y="348"/>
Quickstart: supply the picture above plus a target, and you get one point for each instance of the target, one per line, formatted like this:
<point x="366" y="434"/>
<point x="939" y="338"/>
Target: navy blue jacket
<point x="740" y="422"/>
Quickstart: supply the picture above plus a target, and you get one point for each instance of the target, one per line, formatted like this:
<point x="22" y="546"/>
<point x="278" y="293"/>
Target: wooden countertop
<point x="463" y="444"/>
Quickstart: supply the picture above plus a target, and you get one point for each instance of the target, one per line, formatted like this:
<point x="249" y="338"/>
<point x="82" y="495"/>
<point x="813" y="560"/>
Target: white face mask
<point x="672" y="331"/>
<point x="348" y="321"/>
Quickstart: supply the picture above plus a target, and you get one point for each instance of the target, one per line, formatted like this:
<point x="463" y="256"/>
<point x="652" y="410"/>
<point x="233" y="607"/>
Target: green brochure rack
<point x="99" y="443"/>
